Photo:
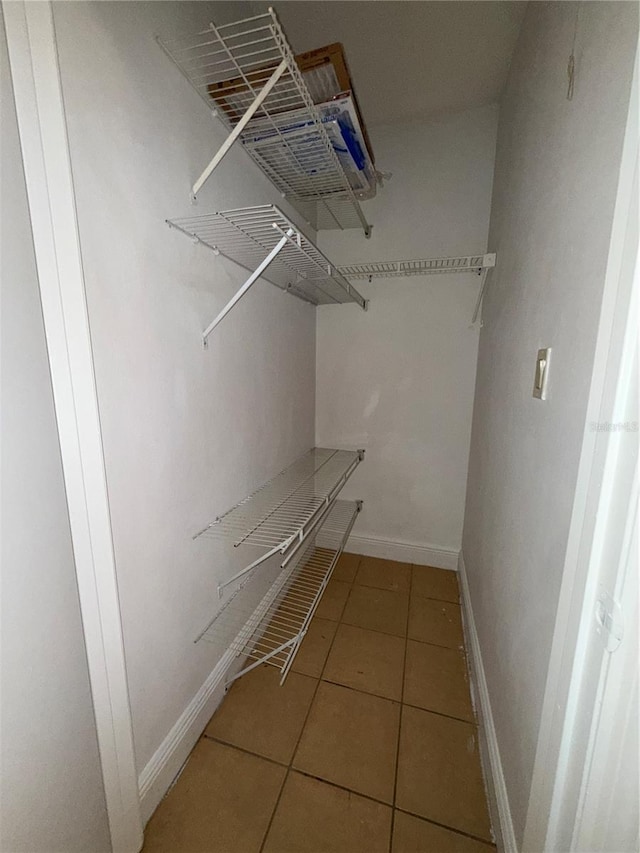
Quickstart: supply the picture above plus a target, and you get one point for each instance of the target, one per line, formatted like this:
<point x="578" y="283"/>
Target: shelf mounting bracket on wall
<point x="292" y="262"/>
<point x="480" y="264"/>
<point x="255" y="275"/>
<point x="483" y="285"/>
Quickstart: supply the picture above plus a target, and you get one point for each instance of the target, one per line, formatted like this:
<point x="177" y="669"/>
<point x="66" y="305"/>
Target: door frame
<point x="553" y="799"/>
<point x="35" y="72"/>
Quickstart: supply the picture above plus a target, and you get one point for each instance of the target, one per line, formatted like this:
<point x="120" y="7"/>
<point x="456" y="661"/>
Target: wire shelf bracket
<point x="267" y="244"/>
<point x="271" y="631"/>
<point x="248" y="71"/>
<point x="479" y="264"/>
<point x="283" y="514"/>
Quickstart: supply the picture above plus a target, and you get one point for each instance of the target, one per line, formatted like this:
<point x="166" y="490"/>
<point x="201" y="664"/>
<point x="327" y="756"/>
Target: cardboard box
<point x="325" y="74"/>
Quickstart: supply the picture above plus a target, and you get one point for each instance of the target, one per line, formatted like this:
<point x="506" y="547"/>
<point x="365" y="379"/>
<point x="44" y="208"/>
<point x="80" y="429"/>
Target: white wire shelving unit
<point x="247" y="73"/>
<point x="479" y="264"/>
<point x="266" y="619"/>
<point x="417" y="266"/>
<point x="265" y="242"/>
<point x="282" y="515"/>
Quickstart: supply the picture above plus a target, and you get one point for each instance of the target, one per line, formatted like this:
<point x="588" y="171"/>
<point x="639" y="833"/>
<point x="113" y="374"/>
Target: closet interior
<point x="320" y="291"/>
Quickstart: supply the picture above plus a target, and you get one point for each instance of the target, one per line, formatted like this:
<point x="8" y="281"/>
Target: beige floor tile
<point x="377" y="610"/>
<point x="384" y="574"/>
<point x="313" y="817"/>
<point x="333" y="600"/>
<point x="413" y="835"/>
<point x="260" y="715"/>
<point x="222" y="802"/>
<point x="435" y="583"/>
<point x="350" y="738"/>
<point x="439" y="775"/>
<point x="437" y="622"/>
<point x="436" y="679"/>
<point x="367" y="660"/>
<point x="315" y="647"/>
<point x="346" y="567"/>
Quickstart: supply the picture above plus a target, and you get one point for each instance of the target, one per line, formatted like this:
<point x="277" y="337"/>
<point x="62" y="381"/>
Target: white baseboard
<point x="492" y="765"/>
<point x="404" y="552"/>
<point x="163" y="767"/>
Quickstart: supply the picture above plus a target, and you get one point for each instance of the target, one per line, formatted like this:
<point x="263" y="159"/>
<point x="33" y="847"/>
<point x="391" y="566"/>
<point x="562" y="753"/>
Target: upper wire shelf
<point x="423" y="266"/>
<point x="247" y="72"/>
<point x="282" y="514"/>
<point x="292" y="261"/>
<point x="267" y="617"/>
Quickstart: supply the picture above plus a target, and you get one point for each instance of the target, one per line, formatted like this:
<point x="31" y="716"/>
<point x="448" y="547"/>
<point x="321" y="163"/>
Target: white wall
<point x="52" y="796"/>
<point x="556" y="174"/>
<point x="398" y="380"/>
<point x="187" y="431"/>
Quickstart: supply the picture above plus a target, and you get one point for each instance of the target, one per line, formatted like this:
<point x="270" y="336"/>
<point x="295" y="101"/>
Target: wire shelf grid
<point x="287" y="508"/>
<point x="267" y="618"/>
<point x="423" y="266"/>
<point x="246" y="235"/>
<point x="232" y="66"/>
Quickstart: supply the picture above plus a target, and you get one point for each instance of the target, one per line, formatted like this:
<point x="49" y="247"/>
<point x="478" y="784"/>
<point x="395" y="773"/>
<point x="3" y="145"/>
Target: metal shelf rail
<point x="247" y="74"/>
<point x="422" y="266"/>
<point x="479" y="264"/>
<point x="262" y="240"/>
<point x="266" y="618"/>
<point x="282" y="515"/>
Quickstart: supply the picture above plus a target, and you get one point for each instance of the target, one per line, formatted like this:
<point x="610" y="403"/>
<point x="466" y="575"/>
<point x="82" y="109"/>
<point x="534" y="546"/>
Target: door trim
<point x="568" y="651"/>
<point x="42" y="128"/>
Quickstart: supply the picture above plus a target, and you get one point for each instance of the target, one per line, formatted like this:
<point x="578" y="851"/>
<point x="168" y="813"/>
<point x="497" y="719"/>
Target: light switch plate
<point x="542" y="373"/>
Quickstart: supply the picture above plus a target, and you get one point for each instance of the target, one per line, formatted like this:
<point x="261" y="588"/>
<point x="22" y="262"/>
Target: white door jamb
<point x="559" y="721"/>
<point x="43" y="138"/>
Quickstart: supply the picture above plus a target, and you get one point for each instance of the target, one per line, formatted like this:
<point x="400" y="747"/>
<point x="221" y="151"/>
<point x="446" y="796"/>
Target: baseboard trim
<point x="404" y="552"/>
<point x="155" y="779"/>
<point x="492" y="765"/>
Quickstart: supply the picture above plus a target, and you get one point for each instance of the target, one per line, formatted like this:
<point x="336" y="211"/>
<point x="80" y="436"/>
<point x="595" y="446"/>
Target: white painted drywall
<point x="187" y="431"/>
<point x="556" y="175"/>
<point x="398" y="380"/>
<point x="52" y="796"/>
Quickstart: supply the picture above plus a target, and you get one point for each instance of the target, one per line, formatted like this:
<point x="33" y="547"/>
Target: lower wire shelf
<point x="267" y="617"/>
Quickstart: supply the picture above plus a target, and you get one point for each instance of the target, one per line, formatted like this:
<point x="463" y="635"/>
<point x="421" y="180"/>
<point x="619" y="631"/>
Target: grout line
<point x="450" y="828"/>
<point x="460" y="649"/>
<point x="441" y="714"/>
<point x="342" y="787"/>
<point x="245" y="750"/>
<point x="304" y="725"/>
<point x="435" y="598"/>
<point x="404" y="673"/>
<point x="362" y="628"/>
<point x="364" y="692"/>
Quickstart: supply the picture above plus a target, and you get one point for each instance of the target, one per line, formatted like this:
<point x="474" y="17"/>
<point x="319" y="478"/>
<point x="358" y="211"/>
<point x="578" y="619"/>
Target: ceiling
<point x="411" y="60"/>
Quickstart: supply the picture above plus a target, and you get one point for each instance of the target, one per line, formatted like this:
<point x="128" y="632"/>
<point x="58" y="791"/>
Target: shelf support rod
<point x="251" y="280"/>
<point x="237" y="130"/>
<point x="483" y="285"/>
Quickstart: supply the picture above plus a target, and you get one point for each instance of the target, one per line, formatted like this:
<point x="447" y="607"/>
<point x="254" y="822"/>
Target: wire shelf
<point x="247" y="234"/>
<point x="282" y="514"/>
<point x="267" y="617"/>
<point x="424" y="266"/>
<point x="248" y="72"/>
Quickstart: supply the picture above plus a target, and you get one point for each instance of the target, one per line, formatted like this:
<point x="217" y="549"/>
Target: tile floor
<point x="370" y="746"/>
